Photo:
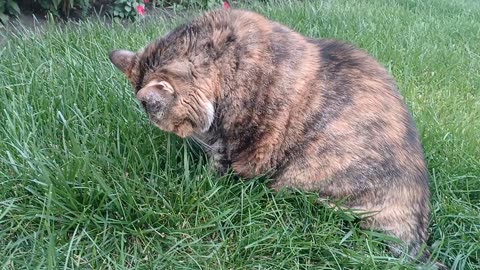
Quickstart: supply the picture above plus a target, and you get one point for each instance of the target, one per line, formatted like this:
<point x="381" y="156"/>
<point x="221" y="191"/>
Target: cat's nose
<point x="149" y="98"/>
<point x="149" y="94"/>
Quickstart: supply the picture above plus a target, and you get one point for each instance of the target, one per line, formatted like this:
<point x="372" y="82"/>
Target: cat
<point x="318" y="115"/>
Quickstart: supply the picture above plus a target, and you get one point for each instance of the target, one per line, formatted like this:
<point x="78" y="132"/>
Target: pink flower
<point x="140" y="10"/>
<point x="226" y="5"/>
<point x="145" y="1"/>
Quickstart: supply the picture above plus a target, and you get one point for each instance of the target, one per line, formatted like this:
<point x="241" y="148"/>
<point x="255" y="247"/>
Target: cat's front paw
<point x="218" y="165"/>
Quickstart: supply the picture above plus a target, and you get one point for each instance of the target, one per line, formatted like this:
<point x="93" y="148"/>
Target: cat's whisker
<point x="201" y="143"/>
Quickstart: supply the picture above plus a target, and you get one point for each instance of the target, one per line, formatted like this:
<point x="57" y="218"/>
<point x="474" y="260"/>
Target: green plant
<point x="128" y="9"/>
<point x="8" y="7"/>
<point x="64" y="7"/>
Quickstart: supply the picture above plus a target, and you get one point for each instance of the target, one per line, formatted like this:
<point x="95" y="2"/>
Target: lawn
<point x="86" y="182"/>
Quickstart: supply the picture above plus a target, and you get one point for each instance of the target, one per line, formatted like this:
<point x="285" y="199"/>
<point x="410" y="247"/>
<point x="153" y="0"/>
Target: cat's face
<point x="175" y="83"/>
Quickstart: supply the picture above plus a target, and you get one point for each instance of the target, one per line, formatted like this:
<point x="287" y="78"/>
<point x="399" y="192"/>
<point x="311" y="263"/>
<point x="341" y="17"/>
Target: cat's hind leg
<point x="404" y="215"/>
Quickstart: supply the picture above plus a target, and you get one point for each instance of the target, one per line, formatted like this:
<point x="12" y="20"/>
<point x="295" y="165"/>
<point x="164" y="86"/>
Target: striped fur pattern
<point x="315" y="114"/>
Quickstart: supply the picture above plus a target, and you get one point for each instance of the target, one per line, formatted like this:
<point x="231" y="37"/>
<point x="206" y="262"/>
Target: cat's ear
<point x="122" y="59"/>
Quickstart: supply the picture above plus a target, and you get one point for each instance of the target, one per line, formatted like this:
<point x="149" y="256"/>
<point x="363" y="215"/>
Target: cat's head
<point x="177" y="77"/>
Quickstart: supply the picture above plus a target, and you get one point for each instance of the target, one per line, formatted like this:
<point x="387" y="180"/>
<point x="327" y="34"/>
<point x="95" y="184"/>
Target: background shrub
<point x="119" y="9"/>
<point x="64" y="7"/>
<point x="128" y="8"/>
<point x="8" y="7"/>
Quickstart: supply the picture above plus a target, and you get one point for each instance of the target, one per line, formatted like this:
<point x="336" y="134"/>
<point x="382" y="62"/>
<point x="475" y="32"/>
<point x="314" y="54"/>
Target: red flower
<point x="145" y="1"/>
<point x="226" y="5"/>
<point x="140" y="10"/>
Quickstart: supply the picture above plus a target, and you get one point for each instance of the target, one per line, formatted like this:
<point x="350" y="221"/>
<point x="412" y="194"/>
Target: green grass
<point x="87" y="183"/>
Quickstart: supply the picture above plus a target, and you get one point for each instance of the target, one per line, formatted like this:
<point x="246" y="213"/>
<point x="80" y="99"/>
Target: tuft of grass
<point x="86" y="182"/>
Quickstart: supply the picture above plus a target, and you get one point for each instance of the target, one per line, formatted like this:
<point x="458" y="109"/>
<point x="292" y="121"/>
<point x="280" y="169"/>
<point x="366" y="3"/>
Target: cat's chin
<point x="183" y="131"/>
<point x="183" y="134"/>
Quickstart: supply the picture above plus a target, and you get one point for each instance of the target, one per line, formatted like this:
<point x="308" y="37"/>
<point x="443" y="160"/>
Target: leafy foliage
<point x="127" y="8"/>
<point x="119" y="9"/>
<point x="64" y="7"/>
<point x="8" y="7"/>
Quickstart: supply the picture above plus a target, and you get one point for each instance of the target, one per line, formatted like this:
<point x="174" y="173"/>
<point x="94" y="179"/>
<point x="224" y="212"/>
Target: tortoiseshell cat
<point x="317" y="115"/>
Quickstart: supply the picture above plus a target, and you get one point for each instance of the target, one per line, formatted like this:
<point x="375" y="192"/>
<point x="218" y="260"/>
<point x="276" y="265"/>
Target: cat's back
<point x="348" y="120"/>
<point x="321" y="102"/>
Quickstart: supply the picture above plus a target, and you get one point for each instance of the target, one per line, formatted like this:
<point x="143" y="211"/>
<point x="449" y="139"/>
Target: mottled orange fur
<point x="318" y="115"/>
